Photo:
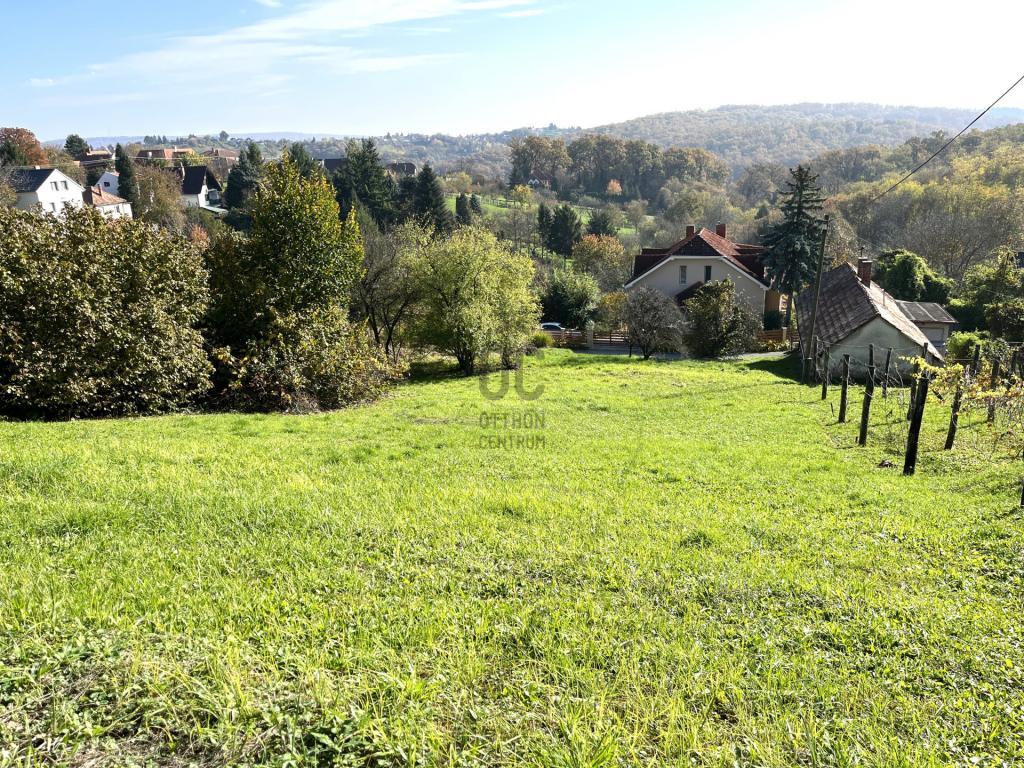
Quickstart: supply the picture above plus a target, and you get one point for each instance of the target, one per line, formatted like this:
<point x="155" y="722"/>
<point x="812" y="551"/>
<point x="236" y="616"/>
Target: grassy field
<point x="492" y="207"/>
<point x="656" y="564"/>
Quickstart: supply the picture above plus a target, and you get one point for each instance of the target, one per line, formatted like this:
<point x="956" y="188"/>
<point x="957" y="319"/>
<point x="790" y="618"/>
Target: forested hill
<point x="742" y="135"/>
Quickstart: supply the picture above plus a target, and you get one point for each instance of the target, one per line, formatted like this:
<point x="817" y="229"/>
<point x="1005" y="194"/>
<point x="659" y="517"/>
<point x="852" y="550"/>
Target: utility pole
<point x="817" y="297"/>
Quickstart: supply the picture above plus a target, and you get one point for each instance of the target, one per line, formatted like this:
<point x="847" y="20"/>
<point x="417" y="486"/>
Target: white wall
<point x="665" y="278"/>
<point x="883" y="336"/>
<point x="68" y="191"/>
<point x="118" y="211"/>
<point x="108" y="183"/>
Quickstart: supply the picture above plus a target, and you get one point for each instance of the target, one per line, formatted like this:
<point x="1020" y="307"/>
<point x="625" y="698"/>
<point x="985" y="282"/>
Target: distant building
<point x="48" y="188"/>
<point x="95" y="157"/>
<point x="703" y="257"/>
<point x="199" y="187"/>
<point x="108" y="182"/>
<point x="932" y="319"/>
<point x="541" y="180"/>
<point x="221" y="153"/>
<point x="110" y="206"/>
<point x="332" y="164"/>
<point x="399" y="170"/>
<point x="854" y="312"/>
<point x="174" y="153"/>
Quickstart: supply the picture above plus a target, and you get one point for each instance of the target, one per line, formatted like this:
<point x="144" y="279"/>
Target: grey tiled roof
<point x="29" y="179"/>
<point x="926" y="312"/>
<point x="847" y="305"/>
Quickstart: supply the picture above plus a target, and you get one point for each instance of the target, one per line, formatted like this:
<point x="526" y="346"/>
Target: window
<point x="55" y="185"/>
<point x="53" y="207"/>
<point x="65" y="184"/>
<point x="106" y="183"/>
<point x="682" y="274"/>
<point x="707" y="274"/>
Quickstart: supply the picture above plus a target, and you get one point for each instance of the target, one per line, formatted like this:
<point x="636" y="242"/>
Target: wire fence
<point x="981" y="395"/>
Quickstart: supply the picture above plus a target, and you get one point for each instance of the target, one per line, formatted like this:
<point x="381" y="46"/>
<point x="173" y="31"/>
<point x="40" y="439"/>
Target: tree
<point x="602" y="224"/>
<point x="299" y="255"/>
<point x="98" y="319"/>
<point x="566" y="230"/>
<point x="127" y="184"/>
<point x="363" y="179"/>
<point x="794" y="243"/>
<point x="475" y="296"/>
<point x="605" y="259"/>
<point x="463" y="212"/>
<point x="475" y="206"/>
<point x="302" y="161"/>
<point x="158" y="197"/>
<point x="652" y="320"/>
<point x="429" y="204"/>
<point x="76" y="146"/>
<point x="716" y="323"/>
<point x="224" y="136"/>
<point x="544" y="221"/>
<point x="636" y="214"/>
<point x="244" y="178"/>
<point x="19" y="146"/>
<point x="570" y="298"/>
<point x="908" y="277"/>
<point x="388" y="292"/>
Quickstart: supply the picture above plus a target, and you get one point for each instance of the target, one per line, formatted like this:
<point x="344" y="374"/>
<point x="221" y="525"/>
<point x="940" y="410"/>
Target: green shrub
<point x="307" y="362"/>
<point x="716" y="323"/>
<point x="773" y="320"/>
<point x="542" y="340"/>
<point x="97" y="318"/>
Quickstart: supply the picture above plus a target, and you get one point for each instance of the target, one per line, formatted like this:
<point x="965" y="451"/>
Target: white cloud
<point x="264" y="51"/>
<point x="42" y="82"/>
<point x="523" y="14"/>
<point x="270" y="3"/>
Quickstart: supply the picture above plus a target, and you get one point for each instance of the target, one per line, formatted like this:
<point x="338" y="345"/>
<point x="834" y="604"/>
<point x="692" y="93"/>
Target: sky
<point x="370" y="67"/>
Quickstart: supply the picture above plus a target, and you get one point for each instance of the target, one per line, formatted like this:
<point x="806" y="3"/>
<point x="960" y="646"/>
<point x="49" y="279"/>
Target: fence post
<point x="954" y="418"/>
<point x="885" y="376"/>
<point x="913" y="438"/>
<point x="824" y="378"/>
<point x="992" y="386"/>
<point x="865" y="413"/>
<point x="844" y="398"/>
<point x="976" y="362"/>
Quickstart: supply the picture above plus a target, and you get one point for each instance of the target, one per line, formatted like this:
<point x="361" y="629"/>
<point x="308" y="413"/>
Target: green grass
<point x="697" y="567"/>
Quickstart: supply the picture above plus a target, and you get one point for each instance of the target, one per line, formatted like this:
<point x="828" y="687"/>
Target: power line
<point x="946" y="146"/>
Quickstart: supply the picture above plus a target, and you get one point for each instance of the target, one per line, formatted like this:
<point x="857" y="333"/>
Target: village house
<point x="855" y="312"/>
<point x="109" y="205"/>
<point x="220" y="153"/>
<point x="400" y="170"/>
<point x="199" y="187"/>
<point x="703" y="257"/>
<point x="174" y="153"/>
<point x="108" y="182"/>
<point x="48" y="188"/>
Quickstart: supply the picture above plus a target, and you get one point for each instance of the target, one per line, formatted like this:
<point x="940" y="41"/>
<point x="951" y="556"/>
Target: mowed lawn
<point x="653" y="564"/>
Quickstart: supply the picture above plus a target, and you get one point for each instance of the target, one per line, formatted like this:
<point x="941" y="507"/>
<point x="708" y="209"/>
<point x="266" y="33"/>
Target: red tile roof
<point x="743" y="256"/>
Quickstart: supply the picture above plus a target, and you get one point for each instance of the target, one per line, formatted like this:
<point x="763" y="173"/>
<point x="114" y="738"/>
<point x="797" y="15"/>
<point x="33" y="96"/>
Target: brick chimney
<point x="690" y="230"/>
<point x="720" y="230"/>
<point x="864" y="271"/>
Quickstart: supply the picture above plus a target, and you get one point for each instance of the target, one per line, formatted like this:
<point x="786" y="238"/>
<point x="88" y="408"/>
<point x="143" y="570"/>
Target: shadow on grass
<point x="787" y="367"/>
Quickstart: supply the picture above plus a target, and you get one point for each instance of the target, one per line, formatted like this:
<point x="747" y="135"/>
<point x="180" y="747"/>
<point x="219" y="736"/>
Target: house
<point x="400" y="170"/>
<point x="48" y="188"/>
<point x="108" y="182"/>
<point x="110" y="206"/>
<point x="174" y="153"/>
<point x="855" y="312"/>
<point x="220" y="153"/>
<point x="95" y="157"/>
<point x="541" y="179"/>
<point x="702" y="257"/>
<point x="332" y="164"/>
<point x="199" y="187"/>
<point x="931" y="318"/>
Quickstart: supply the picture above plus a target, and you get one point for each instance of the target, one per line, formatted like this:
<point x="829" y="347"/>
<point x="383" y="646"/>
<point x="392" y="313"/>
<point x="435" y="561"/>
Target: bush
<point x="774" y="320"/>
<point x="542" y="340"/>
<point x="717" y="324"/>
<point x="97" y="318"/>
<point x="653" y="321"/>
<point x="960" y="347"/>
<point x="570" y="298"/>
<point x="307" y="362"/>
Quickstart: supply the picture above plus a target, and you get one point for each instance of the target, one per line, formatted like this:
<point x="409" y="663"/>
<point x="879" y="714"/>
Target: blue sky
<point x="463" y="66"/>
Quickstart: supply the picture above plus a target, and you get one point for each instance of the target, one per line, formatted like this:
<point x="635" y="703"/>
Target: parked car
<point x="556" y="327"/>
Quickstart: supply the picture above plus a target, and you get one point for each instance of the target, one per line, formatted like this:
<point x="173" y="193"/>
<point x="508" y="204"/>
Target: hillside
<point x="638" y="570"/>
<point x="742" y="135"/>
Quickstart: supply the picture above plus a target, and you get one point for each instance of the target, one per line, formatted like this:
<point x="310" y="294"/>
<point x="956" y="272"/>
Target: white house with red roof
<point x="703" y="257"/>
